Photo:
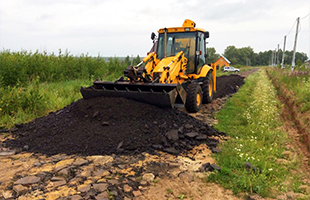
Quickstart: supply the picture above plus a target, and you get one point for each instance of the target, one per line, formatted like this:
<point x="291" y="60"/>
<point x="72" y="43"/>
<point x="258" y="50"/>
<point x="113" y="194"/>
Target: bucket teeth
<point x="162" y="95"/>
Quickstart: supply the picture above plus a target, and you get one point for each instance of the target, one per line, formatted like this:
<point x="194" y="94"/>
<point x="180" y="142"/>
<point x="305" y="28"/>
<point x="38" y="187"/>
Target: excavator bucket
<point x="162" y="95"/>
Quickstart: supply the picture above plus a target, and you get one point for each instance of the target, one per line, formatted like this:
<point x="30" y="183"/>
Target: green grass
<point x="298" y="83"/>
<point x="251" y="120"/>
<point x="23" y="104"/>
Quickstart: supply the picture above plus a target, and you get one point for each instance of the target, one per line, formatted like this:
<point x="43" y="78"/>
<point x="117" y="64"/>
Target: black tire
<point x="193" y="98"/>
<point x="208" y="88"/>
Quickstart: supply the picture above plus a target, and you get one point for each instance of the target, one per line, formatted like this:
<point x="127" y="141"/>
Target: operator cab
<point x="188" y="39"/>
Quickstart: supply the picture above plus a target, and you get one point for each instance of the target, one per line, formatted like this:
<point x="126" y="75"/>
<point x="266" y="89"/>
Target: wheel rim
<point x="210" y="88"/>
<point x="198" y="99"/>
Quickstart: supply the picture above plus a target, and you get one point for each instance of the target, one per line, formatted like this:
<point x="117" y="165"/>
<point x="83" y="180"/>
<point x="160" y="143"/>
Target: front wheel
<point x="193" y="98"/>
<point x="208" y="88"/>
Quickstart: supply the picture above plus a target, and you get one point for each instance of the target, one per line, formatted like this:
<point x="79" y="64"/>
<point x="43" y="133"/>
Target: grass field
<point x="297" y="82"/>
<point x="23" y="104"/>
<point x="254" y="158"/>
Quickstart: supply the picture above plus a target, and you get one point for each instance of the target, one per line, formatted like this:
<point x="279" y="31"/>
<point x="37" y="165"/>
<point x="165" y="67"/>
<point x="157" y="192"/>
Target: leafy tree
<point x="136" y="60"/>
<point x="232" y="54"/>
<point x="247" y="56"/>
<point x="299" y="57"/>
<point x="263" y="58"/>
<point x="212" y="56"/>
<point x="127" y="61"/>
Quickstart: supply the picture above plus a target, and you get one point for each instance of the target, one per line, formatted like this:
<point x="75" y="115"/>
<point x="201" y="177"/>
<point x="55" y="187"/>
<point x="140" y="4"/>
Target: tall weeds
<point x="20" y="68"/>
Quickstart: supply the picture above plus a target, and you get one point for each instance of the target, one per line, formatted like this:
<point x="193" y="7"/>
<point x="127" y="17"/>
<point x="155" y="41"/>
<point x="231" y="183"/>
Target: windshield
<point x="177" y="42"/>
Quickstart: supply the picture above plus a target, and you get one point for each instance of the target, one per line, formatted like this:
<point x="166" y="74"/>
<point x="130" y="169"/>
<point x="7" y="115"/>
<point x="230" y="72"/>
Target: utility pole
<point x="283" y="54"/>
<point x="272" y="59"/>
<point x="295" y="43"/>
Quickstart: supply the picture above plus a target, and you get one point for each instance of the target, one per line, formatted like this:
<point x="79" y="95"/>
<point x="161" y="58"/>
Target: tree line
<point x="247" y="56"/>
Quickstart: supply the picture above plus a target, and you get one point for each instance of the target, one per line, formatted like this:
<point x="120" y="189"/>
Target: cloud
<point x="124" y="27"/>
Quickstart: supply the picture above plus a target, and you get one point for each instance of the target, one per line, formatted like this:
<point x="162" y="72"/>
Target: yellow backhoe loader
<point x="174" y="71"/>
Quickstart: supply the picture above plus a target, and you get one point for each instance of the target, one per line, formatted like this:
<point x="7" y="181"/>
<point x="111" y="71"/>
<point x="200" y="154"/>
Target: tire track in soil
<point x="131" y="149"/>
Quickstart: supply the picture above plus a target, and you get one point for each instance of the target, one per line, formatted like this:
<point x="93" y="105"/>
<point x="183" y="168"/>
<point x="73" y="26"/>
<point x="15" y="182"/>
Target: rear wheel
<point x="193" y="98"/>
<point x="207" y="88"/>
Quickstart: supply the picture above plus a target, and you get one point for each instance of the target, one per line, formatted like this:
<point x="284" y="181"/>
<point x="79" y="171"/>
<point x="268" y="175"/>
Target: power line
<point x="305" y="16"/>
<point x="292" y="28"/>
<point x="289" y="31"/>
<point x="298" y="29"/>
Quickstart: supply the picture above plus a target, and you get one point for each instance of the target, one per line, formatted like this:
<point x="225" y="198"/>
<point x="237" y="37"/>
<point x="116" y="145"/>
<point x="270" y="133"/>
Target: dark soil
<point x="117" y="126"/>
<point x="226" y="85"/>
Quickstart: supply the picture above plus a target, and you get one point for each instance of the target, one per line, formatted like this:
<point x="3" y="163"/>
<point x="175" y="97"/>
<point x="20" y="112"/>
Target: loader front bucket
<point x="162" y="95"/>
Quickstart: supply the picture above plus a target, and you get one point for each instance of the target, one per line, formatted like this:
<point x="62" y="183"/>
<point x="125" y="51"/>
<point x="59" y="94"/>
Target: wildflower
<point x="270" y="169"/>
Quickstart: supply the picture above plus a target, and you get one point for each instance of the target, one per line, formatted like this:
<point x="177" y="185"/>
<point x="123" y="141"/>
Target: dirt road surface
<point x="112" y="148"/>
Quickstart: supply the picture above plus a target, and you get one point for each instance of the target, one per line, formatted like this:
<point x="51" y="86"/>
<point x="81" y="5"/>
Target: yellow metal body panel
<point x="214" y="76"/>
<point x="189" y="23"/>
<point x="202" y="73"/>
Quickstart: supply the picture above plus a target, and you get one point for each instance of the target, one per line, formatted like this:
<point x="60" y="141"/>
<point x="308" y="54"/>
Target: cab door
<point x="200" y="52"/>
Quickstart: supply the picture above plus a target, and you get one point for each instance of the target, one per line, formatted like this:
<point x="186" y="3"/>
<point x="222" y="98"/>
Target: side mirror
<point x="153" y="36"/>
<point x="207" y="35"/>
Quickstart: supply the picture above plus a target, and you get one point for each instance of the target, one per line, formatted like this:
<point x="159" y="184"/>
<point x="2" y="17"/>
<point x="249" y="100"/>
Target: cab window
<point x="177" y="42"/>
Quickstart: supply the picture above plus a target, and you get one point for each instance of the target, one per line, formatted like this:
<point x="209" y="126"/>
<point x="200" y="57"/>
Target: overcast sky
<point x="122" y="27"/>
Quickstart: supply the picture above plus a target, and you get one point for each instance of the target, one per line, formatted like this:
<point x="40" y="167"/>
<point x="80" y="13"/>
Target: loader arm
<point x="142" y="73"/>
<point x="153" y="61"/>
<point x="171" y="71"/>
